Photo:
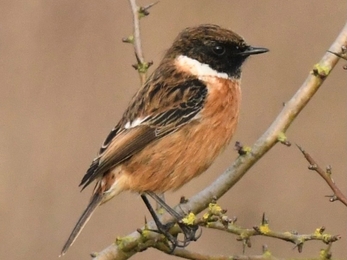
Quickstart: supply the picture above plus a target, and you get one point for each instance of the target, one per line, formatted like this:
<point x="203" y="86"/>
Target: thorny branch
<point x="129" y="245"/>
<point x="215" y="218"/>
<point x="326" y="175"/>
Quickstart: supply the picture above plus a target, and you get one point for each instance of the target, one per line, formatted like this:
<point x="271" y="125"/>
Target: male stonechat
<point x="175" y="126"/>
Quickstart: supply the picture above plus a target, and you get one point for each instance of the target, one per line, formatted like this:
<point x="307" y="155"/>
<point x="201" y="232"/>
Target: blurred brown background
<point x="66" y="78"/>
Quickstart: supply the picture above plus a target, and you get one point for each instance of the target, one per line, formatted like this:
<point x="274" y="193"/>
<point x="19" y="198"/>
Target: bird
<point x="177" y="123"/>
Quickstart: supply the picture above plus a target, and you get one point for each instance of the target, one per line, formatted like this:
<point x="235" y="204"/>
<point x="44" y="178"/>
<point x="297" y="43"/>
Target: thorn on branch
<point x="233" y="220"/>
<point x="264" y="226"/>
<point x="321" y="230"/>
<point x="342" y="55"/>
<point x="264" y="220"/>
<point x="143" y="11"/>
<point x="300" y="247"/>
<point x="246" y="242"/>
<point x="183" y="200"/>
<point x="257" y="229"/>
<point x="334" y="238"/>
<point x="242" y="150"/>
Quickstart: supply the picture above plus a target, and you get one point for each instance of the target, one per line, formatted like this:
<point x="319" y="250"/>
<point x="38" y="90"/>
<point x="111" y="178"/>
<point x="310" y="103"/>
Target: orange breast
<point x="178" y="157"/>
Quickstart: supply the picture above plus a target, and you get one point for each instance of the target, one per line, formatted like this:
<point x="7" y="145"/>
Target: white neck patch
<point x="197" y="68"/>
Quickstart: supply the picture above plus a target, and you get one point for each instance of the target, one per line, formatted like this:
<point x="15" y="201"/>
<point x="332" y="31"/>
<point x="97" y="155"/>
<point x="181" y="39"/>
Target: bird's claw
<point x="189" y="232"/>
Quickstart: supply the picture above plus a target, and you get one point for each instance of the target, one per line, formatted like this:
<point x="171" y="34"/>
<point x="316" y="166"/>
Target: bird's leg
<point x="163" y="229"/>
<point x="158" y="206"/>
<point x="189" y="231"/>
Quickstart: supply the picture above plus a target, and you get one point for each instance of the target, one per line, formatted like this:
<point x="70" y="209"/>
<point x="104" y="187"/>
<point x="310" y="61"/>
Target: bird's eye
<point x="218" y="49"/>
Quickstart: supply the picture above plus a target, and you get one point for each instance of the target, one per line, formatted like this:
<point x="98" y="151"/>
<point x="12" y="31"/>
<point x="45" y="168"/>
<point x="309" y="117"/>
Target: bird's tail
<point x="94" y="202"/>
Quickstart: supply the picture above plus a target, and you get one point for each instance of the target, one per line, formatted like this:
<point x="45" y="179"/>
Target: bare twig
<point x="238" y="169"/>
<point x="141" y="66"/>
<point x="137" y="36"/>
<point x="326" y="175"/>
<point x="187" y="254"/>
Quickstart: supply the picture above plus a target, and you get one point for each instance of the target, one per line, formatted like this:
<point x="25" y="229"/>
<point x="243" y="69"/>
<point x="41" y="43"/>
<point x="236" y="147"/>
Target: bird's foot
<point x="189" y="232"/>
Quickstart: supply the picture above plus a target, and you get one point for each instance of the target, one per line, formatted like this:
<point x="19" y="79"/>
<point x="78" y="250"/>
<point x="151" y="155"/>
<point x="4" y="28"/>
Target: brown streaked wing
<point x="178" y="103"/>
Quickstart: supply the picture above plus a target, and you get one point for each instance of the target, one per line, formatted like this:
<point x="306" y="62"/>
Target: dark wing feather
<point x="92" y="168"/>
<point x="172" y="119"/>
<point x="124" y="146"/>
<point x="174" y="107"/>
<point x="95" y="163"/>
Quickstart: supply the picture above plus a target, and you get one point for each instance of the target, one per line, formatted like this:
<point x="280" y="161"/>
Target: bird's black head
<point x="222" y="50"/>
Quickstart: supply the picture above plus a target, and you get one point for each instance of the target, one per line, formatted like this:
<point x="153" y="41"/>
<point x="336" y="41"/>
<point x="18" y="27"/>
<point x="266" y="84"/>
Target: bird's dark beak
<point x="253" y="50"/>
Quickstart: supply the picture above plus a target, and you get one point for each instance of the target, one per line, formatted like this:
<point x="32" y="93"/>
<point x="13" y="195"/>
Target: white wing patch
<point x="197" y="68"/>
<point x="136" y="122"/>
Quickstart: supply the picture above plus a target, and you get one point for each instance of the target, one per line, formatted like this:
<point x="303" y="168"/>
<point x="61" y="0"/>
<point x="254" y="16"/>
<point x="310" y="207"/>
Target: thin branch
<point x="137" y="35"/>
<point x="238" y="169"/>
<point x="187" y="254"/>
<point x="139" y="12"/>
<point x="324" y="254"/>
<point x="326" y="175"/>
<point x="342" y="54"/>
<point x="263" y="230"/>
